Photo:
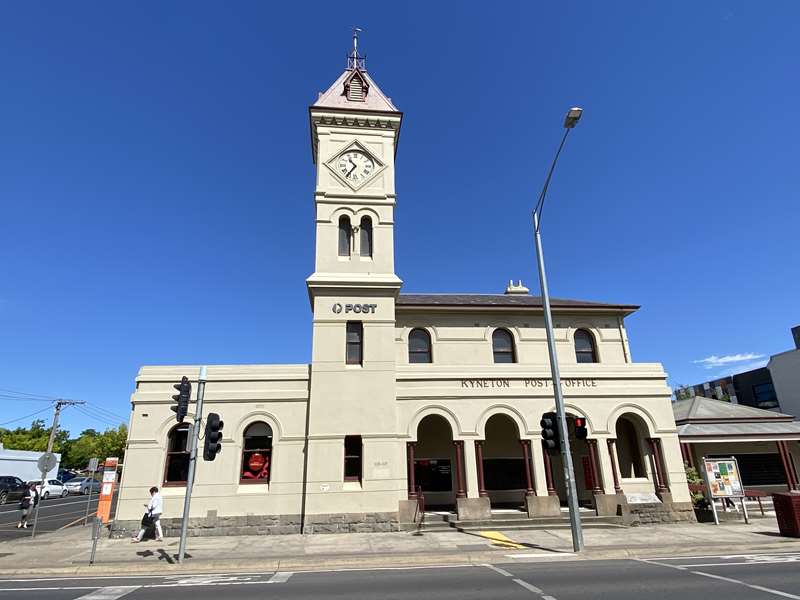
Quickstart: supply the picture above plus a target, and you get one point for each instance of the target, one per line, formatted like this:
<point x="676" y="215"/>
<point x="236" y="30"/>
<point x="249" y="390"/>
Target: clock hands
<point x="351" y="168"/>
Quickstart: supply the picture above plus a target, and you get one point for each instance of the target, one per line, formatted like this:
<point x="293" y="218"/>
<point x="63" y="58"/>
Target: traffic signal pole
<point x="194" y="434"/>
<point x="561" y="417"/>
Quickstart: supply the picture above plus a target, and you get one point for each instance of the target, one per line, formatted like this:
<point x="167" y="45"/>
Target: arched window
<point x="257" y="453"/>
<point x="584" y="347"/>
<point x="176" y="469"/>
<point x="419" y="346"/>
<point x="366" y="236"/>
<point x="503" y="346"/>
<point x="345" y="235"/>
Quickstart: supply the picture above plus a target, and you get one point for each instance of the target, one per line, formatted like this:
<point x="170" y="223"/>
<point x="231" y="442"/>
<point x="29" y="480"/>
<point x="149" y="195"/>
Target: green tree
<point x="33" y="438"/>
<point x="92" y="444"/>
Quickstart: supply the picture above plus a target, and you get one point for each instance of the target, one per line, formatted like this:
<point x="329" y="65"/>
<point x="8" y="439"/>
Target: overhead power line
<point x="26" y="416"/>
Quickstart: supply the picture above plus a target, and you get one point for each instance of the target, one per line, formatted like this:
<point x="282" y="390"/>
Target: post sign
<point x="107" y="489"/>
<point x="723" y="478"/>
<point x="724" y="482"/>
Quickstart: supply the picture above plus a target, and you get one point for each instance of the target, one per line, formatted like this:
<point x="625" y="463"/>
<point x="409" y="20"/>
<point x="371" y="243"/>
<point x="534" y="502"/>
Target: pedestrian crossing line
<point x="501" y="540"/>
<point x="280" y="577"/>
<point x="110" y="593"/>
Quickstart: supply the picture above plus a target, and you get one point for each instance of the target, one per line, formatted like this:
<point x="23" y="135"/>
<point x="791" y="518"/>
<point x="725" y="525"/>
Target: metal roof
<point x="749" y="430"/>
<point x="502" y="301"/>
<point x="708" y="410"/>
<point x="336" y="98"/>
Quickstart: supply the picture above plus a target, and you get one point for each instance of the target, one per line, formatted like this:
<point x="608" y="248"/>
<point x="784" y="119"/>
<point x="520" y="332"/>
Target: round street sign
<point x="47" y="461"/>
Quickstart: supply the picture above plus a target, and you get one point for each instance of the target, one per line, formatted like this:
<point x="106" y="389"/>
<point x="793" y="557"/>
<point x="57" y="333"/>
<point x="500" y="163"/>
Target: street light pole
<point x="572" y="118"/>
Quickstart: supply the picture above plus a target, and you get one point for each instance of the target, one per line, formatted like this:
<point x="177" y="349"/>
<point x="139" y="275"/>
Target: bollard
<point x="98" y="523"/>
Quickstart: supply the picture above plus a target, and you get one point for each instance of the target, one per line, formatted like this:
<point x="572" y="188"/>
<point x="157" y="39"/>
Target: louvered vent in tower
<point x="356" y="88"/>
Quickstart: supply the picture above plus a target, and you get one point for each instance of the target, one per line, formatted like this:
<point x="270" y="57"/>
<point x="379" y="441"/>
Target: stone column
<point x="539" y="506"/>
<point x="479" y="463"/>
<point x="612" y="453"/>
<point x="686" y="454"/>
<point x="527" y="462"/>
<point x="471" y="470"/>
<point x="658" y="473"/>
<point x="412" y="484"/>
<point x="597" y="483"/>
<point x="460" y="487"/>
<point x="548" y="472"/>
<point x="788" y="467"/>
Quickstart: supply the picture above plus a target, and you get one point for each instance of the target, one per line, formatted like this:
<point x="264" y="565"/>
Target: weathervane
<point x="354" y="61"/>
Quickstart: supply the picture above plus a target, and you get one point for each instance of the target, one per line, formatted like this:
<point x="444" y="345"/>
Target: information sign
<point x="107" y="489"/>
<point x="724" y="482"/>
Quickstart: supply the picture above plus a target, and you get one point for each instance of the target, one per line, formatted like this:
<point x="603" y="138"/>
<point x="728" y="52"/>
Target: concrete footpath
<point x="67" y="552"/>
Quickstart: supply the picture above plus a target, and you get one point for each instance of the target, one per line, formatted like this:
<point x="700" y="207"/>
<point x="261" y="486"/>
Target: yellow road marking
<point x="500" y="539"/>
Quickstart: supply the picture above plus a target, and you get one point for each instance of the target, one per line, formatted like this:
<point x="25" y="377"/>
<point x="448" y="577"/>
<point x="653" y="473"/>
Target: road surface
<point x="737" y="577"/>
<point x="54" y="513"/>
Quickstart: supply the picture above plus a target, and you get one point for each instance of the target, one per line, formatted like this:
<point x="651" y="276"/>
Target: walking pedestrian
<point x="28" y="502"/>
<point x="154" y="509"/>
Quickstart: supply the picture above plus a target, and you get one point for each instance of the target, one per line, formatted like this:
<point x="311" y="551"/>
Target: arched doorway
<point x="504" y="466"/>
<point x="435" y="462"/>
<point x="581" y="464"/>
<point x="631" y="451"/>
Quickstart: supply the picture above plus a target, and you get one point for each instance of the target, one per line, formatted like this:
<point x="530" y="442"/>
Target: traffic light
<point x="212" y="446"/>
<point x="580" y="428"/>
<point x="182" y="399"/>
<point x="550" y="431"/>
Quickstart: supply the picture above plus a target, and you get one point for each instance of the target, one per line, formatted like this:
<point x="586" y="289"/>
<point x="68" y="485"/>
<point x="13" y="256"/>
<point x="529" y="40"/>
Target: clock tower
<point x="355" y="461"/>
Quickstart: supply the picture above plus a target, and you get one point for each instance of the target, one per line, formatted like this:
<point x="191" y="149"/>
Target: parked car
<point x="11" y="488"/>
<point x="52" y="487"/>
<point x="82" y="485"/>
<point x="66" y="475"/>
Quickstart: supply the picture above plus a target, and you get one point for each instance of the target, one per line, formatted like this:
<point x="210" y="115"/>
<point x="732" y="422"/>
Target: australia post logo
<point x="363" y="309"/>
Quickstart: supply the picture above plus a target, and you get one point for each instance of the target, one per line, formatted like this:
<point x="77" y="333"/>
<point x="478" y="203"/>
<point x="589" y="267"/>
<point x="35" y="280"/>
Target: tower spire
<point x="354" y="61"/>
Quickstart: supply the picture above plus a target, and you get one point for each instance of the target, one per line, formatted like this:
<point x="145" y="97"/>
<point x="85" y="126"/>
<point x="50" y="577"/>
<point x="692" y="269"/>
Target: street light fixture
<point x="572" y="118"/>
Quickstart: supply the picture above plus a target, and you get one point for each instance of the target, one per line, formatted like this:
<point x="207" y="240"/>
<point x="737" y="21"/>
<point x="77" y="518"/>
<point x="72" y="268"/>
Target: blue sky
<point x="156" y="179"/>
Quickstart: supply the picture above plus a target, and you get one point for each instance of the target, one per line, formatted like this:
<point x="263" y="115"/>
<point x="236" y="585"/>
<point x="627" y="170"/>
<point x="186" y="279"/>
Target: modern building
<point x="751" y="388"/>
<point x="785" y="371"/>
<point x="776" y="386"/>
<point x="406" y="394"/>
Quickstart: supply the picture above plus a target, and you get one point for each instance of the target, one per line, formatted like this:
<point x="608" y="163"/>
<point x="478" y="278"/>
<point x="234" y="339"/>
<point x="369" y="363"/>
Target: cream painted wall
<point x="464" y="337"/>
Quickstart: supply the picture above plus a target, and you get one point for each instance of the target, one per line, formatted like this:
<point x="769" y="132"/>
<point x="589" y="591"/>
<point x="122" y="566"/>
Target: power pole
<point x="50" y="442"/>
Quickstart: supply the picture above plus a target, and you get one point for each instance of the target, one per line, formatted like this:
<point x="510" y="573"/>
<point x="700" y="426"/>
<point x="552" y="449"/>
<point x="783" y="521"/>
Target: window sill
<point x="351" y="486"/>
<point x="635" y="479"/>
<point x="252" y="487"/>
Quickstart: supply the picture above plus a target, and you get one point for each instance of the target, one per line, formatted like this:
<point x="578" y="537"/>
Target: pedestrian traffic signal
<point x="550" y="431"/>
<point x="182" y="399"/>
<point x="212" y="446"/>
<point x="580" y="428"/>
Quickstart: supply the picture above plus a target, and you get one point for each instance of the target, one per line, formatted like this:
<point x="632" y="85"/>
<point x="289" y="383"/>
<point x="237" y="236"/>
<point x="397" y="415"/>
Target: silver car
<point x="82" y="485"/>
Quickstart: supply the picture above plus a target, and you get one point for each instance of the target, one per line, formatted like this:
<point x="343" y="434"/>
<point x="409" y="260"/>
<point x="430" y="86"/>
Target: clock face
<point x="355" y="166"/>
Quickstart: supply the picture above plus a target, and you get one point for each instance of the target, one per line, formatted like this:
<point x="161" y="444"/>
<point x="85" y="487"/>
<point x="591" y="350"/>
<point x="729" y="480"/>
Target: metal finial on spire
<point x="354" y="61"/>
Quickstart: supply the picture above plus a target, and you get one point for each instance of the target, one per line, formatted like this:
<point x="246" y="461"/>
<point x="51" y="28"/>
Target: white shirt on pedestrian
<point x="156" y="504"/>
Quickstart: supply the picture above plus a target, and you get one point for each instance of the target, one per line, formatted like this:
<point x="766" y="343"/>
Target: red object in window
<point x="580" y="422"/>
<point x="256" y="462"/>
<point x="259" y="467"/>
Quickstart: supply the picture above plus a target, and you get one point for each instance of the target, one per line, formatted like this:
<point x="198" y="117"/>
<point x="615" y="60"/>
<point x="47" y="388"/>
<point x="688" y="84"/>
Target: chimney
<point x="796" y="336"/>
<point x="516" y="290"/>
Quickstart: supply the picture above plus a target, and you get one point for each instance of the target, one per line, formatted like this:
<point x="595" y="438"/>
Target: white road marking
<point x="528" y="586"/>
<point x="721" y="578"/>
<point x="502" y="572"/>
<point x="738" y="564"/>
<point x="109" y="593"/>
<point x="722" y="556"/>
<point x="280" y="577"/>
<point x="542" y="555"/>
